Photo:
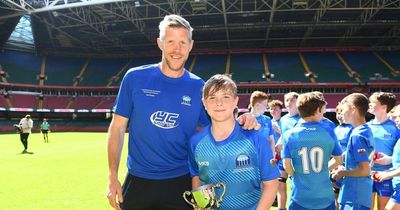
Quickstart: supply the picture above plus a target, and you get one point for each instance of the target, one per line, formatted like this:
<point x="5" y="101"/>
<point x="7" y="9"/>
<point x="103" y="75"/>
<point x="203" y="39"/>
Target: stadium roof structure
<point x="122" y="28"/>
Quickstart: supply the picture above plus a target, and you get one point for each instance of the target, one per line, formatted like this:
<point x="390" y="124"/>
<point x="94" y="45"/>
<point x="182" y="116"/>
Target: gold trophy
<point x="204" y="197"/>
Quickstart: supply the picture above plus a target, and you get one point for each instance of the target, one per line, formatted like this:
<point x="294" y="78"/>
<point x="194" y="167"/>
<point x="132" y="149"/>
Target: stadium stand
<point x="247" y="67"/>
<point x="105" y="103"/>
<point x="368" y="66"/>
<point x="3" y="102"/>
<point x="62" y="70"/>
<point x="332" y="70"/>
<point x="327" y="67"/>
<point x="134" y="62"/>
<point x="392" y="57"/>
<point x="99" y="71"/>
<point x="208" y="65"/>
<point x="23" y="101"/>
<point x="287" y="67"/>
<point x="85" y="102"/>
<point x="20" y="67"/>
<point x="55" y="102"/>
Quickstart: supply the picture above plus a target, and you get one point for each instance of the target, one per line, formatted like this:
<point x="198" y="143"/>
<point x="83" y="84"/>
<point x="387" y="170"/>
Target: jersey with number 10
<point x="310" y="146"/>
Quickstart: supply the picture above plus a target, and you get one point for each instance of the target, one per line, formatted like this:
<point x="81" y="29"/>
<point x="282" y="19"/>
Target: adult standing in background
<point x="162" y="103"/>
<point x="26" y="125"/>
<point x="44" y="128"/>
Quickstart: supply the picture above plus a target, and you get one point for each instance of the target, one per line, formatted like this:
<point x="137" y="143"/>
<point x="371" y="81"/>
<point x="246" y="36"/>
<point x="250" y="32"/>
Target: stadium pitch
<point x="69" y="173"/>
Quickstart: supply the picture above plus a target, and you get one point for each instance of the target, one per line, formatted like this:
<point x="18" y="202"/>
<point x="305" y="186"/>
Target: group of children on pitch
<point x="361" y="159"/>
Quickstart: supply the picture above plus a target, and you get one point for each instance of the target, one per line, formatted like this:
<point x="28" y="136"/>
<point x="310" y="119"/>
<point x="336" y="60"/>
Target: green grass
<point x="70" y="172"/>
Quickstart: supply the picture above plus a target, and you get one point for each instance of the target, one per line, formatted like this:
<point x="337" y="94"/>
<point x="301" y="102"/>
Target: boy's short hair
<point x="291" y="95"/>
<point x="396" y="111"/>
<point x="308" y="103"/>
<point x="388" y="99"/>
<point x="275" y="103"/>
<point x="338" y="108"/>
<point x="257" y="97"/>
<point x="319" y="93"/>
<point x="236" y="111"/>
<point x="358" y="100"/>
<point x="219" y="82"/>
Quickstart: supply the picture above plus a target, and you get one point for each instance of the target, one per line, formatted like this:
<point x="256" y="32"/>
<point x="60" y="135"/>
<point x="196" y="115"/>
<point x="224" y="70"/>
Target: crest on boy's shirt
<point x="387" y="135"/>
<point x="361" y="151"/>
<point x="242" y="161"/>
<point x="186" y="100"/>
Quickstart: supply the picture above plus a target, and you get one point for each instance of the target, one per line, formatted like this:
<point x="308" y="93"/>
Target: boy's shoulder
<point x="197" y="137"/>
<point x="362" y="131"/>
<point x="304" y="126"/>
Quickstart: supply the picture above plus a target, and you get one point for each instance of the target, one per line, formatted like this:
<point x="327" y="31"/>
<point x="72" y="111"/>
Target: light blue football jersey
<point x="279" y="124"/>
<point x="343" y="132"/>
<point x="266" y="125"/>
<point x="289" y="122"/>
<point x="357" y="190"/>
<point x="396" y="164"/>
<point x="242" y="162"/>
<point x="384" y="138"/>
<point x="310" y="146"/>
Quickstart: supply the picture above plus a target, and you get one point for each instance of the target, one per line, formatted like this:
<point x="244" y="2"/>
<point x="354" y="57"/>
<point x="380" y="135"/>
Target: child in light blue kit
<point x="224" y="152"/>
<point x="307" y="149"/>
<point x="385" y="134"/>
<point x="354" y="193"/>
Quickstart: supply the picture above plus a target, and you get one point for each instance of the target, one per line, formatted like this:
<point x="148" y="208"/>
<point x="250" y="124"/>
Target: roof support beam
<point x="271" y="21"/>
<point x="372" y="7"/>
<point x="226" y="24"/>
<point x="317" y="18"/>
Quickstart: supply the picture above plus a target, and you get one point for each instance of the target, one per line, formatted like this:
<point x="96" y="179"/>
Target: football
<point x="17" y="128"/>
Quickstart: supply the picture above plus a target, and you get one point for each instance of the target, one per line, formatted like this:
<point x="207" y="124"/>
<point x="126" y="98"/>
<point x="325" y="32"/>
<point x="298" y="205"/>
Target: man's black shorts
<point x="148" y="194"/>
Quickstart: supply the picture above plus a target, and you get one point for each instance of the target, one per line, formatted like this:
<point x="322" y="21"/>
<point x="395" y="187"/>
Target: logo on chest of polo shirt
<point x="149" y="92"/>
<point x="242" y="161"/>
<point x="203" y="163"/>
<point x="164" y="120"/>
<point x="186" y="100"/>
<point x="387" y="135"/>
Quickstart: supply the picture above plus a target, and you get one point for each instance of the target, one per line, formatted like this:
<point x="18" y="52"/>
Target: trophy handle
<point x="221" y="184"/>
<point x="186" y="193"/>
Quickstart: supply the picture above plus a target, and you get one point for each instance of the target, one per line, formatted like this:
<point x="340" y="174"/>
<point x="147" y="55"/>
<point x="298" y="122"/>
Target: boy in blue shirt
<point x="354" y="193"/>
<point x="342" y="132"/>
<point x="394" y="172"/>
<point x="288" y="121"/>
<point x="275" y="108"/>
<point x="385" y="135"/>
<point x="258" y="105"/>
<point x="224" y="152"/>
<point x="307" y="149"/>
